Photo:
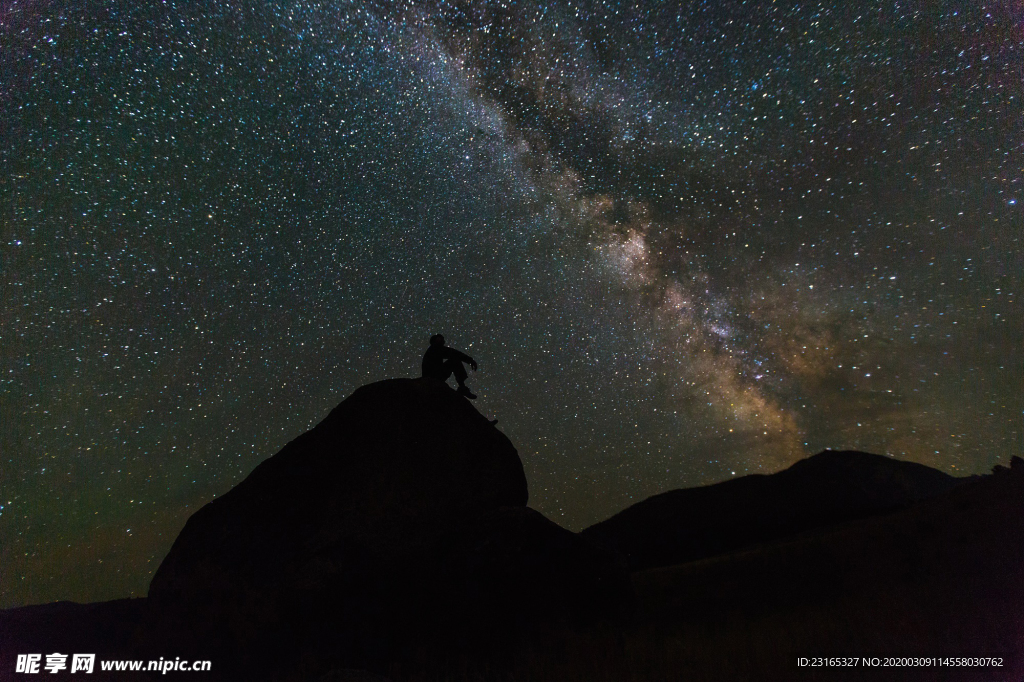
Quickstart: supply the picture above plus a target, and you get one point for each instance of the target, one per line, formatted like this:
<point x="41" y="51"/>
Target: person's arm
<point x="462" y="357"/>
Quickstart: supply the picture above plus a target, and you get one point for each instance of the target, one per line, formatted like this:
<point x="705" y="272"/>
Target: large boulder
<point x="400" y="516"/>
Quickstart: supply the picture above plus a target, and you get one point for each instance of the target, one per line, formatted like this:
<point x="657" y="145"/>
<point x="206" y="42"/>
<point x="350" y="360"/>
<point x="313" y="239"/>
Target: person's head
<point x="436" y="340"/>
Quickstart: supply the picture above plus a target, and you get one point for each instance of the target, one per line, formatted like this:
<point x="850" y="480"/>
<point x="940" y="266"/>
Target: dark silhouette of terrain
<point x="393" y="542"/>
<point x="401" y="515"/>
<point x="441" y="362"/>
<point x="826" y="489"/>
<point x="940" y="576"/>
<point x="68" y="627"/>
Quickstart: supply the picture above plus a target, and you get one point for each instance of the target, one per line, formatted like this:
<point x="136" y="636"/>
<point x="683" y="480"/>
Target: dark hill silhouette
<point x="392" y="543"/>
<point x="829" y="488"/>
<point x="940" y="575"/>
<point x="388" y="469"/>
<point x="400" y="515"/>
<point x="63" y="626"/>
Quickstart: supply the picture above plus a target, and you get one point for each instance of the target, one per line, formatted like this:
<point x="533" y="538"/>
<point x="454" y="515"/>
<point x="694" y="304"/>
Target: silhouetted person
<point x="440" y="362"/>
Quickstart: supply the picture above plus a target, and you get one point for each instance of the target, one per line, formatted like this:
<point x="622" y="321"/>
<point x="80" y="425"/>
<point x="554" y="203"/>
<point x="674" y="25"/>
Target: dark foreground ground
<point x="944" y="578"/>
<point x="408" y="553"/>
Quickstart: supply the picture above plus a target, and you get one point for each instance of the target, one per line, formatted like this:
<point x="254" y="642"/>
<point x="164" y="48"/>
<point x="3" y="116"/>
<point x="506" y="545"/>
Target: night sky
<point x="685" y="242"/>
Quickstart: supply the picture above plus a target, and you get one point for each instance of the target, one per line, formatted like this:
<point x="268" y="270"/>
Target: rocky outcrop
<point x="401" y="516"/>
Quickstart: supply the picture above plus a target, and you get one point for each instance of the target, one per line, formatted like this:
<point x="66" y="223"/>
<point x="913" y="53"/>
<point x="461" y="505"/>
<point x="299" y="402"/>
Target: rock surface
<point x="388" y="469"/>
<point x="400" y="516"/>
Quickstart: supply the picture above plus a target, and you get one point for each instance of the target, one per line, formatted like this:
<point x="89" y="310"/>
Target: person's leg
<point x="440" y="373"/>
<point x="455" y="367"/>
<point x="459" y="371"/>
<point x="460" y="376"/>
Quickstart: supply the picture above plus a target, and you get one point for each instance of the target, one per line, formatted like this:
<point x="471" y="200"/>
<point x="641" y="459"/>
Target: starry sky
<point x="685" y="242"/>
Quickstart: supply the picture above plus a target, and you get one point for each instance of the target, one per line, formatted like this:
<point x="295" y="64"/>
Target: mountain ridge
<point x="394" y="537"/>
<point x="827" y="488"/>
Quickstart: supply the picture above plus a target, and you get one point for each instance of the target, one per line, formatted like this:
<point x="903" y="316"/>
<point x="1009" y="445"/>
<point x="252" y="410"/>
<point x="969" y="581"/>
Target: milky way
<point x="685" y="242"/>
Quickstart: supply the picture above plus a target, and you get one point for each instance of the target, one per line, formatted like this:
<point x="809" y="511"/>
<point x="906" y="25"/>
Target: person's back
<point x="433" y="363"/>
